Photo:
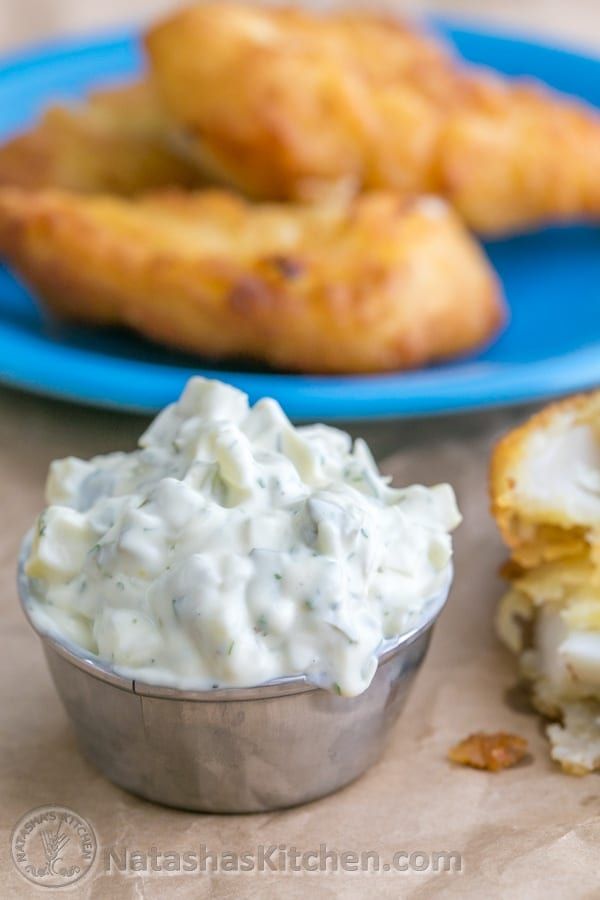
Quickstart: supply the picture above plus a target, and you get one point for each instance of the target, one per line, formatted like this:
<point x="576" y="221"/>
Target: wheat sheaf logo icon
<point x="53" y="846"/>
<point x="54" y="842"/>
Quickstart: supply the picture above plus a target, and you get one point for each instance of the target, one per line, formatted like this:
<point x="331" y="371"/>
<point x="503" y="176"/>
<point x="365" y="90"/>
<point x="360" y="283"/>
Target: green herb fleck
<point x="230" y="648"/>
<point x="278" y="576"/>
<point x="177" y="602"/>
<point x="337" y="688"/>
<point x="261" y="624"/>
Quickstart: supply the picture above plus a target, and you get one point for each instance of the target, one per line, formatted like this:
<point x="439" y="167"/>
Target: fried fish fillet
<point x="545" y="486"/>
<point x="379" y="283"/>
<point x="550" y="618"/>
<point x="115" y="141"/>
<point x="287" y="104"/>
<point x="545" y="483"/>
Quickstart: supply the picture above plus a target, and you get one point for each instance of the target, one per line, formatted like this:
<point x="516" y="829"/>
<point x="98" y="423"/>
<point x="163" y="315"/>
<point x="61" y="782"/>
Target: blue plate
<point x="551" y="281"/>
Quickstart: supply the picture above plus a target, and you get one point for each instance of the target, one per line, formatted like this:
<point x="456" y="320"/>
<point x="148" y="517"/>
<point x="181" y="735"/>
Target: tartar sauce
<point x="232" y="548"/>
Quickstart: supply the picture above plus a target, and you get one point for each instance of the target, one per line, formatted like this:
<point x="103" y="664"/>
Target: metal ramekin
<point x="230" y="750"/>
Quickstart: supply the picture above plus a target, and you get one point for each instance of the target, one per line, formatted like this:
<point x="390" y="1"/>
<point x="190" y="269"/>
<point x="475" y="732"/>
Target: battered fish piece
<point x="286" y="104"/>
<point x="545" y="485"/>
<point x="376" y="284"/>
<point x="550" y="618"/>
<point x="116" y="141"/>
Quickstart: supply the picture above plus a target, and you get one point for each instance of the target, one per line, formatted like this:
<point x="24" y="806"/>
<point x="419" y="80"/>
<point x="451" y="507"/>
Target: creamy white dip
<point x="232" y="548"/>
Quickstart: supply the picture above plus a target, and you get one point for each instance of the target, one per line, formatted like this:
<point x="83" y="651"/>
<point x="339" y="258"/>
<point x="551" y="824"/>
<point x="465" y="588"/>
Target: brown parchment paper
<point x="528" y="832"/>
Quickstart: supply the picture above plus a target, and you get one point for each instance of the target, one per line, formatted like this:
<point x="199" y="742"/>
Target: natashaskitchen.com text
<point x="275" y="858"/>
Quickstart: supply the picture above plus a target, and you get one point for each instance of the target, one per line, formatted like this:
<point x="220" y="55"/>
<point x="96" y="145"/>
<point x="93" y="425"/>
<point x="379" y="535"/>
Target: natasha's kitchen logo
<point x="53" y="846"/>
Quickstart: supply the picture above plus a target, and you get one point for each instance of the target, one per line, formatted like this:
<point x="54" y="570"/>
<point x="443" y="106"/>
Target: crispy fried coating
<point x="545" y="483"/>
<point x="115" y="141"/>
<point x="545" y="489"/>
<point x="286" y="104"/>
<point x="550" y="618"/>
<point x="376" y="284"/>
<point x="493" y="752"/>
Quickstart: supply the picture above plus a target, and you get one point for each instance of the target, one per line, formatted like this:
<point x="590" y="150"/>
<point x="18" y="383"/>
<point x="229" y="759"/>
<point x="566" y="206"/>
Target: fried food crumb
<point x="493" y="752"/>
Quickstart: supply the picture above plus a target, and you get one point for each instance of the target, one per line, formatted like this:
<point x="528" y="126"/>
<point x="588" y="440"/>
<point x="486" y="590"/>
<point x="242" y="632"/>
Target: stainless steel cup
<point x="231" y="749"/>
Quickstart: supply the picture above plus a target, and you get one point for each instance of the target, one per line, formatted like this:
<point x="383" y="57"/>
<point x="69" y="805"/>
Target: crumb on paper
<point x="489" y="751"/>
